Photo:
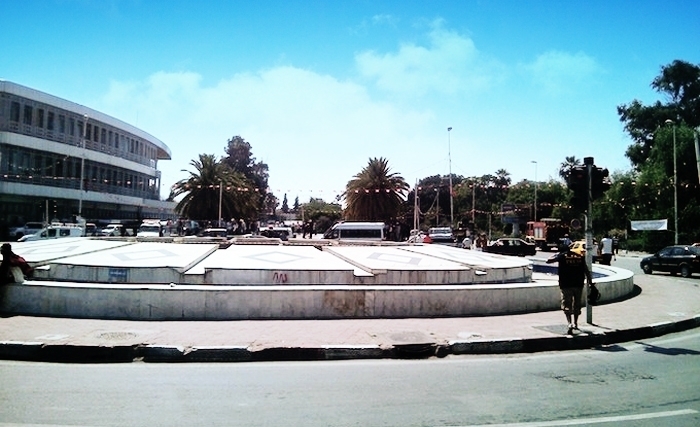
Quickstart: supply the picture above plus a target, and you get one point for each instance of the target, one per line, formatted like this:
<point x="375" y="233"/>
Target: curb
<point x="68" y="353"/>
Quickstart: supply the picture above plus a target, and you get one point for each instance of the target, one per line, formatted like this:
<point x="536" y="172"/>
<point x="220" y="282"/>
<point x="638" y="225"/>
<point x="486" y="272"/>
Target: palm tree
<point x="567" y="165"/>
<point x="214" y="182"/>
<point x="375" y="194"/>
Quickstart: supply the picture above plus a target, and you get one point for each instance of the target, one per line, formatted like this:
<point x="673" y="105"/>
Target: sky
<point x="318" y="88"/>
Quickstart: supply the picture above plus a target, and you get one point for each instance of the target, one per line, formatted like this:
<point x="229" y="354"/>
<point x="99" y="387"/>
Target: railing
<point x="74" y="140"/>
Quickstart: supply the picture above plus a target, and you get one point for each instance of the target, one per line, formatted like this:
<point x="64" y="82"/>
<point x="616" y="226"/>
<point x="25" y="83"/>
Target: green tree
<point x="565" y="167"/>
<point x="653" y="130"/>
<point x="680" y="83"/>
<point x="323" y="214"/>
<point x="375" y="194"/>
<point x="239" y="157"/>
<point x="212" y="181"/>
<point x="285" y="204"/>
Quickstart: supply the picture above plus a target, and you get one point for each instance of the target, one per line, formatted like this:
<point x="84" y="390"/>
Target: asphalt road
<point x="650" y="383"/>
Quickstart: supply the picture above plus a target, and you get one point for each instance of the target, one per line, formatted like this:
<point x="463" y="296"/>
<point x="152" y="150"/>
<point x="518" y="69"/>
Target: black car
<point x="673" y="259"/>
<point x="511" y="246"/>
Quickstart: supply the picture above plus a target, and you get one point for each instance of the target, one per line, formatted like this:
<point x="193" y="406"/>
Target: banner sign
<point x="653" y="225"/>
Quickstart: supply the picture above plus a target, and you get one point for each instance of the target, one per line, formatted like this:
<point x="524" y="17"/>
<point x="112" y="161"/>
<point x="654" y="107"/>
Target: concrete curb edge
<point x="70" y="353"/>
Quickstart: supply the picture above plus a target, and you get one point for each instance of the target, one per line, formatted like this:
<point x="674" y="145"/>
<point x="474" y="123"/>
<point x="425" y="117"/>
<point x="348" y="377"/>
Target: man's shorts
<point x="571" y="300"/>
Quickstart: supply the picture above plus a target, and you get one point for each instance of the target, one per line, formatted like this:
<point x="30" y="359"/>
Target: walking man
<point x="606" y="249"/>
<point x="572" y="272"/>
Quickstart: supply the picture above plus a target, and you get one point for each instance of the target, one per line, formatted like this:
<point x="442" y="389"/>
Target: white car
<point x="441" y="235"/>
<point x="112" y="230"/>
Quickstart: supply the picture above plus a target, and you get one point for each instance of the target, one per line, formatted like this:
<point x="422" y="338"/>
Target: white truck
<point x="54" y="232"/>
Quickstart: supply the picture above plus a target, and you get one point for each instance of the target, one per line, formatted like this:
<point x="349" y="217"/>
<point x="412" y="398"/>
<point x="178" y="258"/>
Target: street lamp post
<point x="535" y="162"/>
<point x="82" y="167"/>
<point x="221" y="192"/>
<point x="449" y="159"/>
<point x="675" y="183"/>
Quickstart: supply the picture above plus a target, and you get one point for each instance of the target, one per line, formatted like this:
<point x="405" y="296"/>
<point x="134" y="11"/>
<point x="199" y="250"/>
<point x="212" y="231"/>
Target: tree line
<point x="661" y="133"/>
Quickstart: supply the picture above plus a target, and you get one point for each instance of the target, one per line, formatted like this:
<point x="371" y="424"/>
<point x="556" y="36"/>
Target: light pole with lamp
<point x="449" y="159"/>
<point x="535" y="162"/>
<point x="82" y="167"/>
<point x="675" y="184"/>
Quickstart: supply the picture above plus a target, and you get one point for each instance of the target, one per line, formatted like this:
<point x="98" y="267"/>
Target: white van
<point x="150" y="228"/>
<point x="54" y="232"/>
<point x="374" y="231"/>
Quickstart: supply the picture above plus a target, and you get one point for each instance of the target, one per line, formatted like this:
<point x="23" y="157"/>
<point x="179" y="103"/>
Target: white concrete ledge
<point x="220" y="302"/>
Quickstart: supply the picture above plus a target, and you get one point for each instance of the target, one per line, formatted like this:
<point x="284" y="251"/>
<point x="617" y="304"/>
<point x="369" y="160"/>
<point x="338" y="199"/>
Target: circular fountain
<point x="196" y="279"/>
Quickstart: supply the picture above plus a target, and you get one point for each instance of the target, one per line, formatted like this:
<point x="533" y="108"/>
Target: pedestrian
<point x="567" y="240"/>
<point x="606" y="249"/>
<point x="467" y="242"/>
<point x="572" y="272"/>
<point x="481" y="242"/>
<point x="13" y="267"/>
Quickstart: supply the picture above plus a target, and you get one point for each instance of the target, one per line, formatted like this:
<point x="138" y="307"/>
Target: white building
<point x="59" y="159"/>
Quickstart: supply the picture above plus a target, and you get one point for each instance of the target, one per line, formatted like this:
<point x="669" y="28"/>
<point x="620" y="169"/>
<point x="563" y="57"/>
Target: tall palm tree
<point x="375" y="194"/>
<point x="214" y="182"/>
<point x="569" y="163"/>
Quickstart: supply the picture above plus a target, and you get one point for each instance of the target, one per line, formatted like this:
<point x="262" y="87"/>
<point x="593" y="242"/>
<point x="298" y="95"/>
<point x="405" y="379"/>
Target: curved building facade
<point x="59" y="159"/>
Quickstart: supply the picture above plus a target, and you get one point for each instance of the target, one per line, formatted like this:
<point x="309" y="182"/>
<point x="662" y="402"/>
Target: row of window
<point x="44" y="168"/>
<point x="44" y="117"/>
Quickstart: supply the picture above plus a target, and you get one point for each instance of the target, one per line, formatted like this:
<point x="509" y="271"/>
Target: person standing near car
<point x="572" y="273"/>
<point x="481" y="242"/>
<point x="606" y="249"/>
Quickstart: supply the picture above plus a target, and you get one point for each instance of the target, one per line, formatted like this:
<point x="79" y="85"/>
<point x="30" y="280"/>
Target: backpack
<point x="593" y="294"/>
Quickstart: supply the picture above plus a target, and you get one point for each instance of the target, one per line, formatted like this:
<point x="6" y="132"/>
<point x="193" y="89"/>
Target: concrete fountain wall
<point x="159" y="281"/>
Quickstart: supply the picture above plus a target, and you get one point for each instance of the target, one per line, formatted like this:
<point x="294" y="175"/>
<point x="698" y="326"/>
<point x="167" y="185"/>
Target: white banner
<point x="653" y="224"/>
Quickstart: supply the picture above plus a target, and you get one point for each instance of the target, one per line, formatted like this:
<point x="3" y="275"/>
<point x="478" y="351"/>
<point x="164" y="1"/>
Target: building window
<point x="103" y="136"/>
<point x="14" y="112"/>
<point x="50" y="119"/>
<point x="71" y="126"/>
<point x="28" y="111"/>
<point x="95" y="133"/>
<point x="40" y="117"/>
<point x="62" y="124"/>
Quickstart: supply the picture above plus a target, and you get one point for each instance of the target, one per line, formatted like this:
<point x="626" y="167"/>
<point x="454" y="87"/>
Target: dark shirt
<point x="572" y="269"/>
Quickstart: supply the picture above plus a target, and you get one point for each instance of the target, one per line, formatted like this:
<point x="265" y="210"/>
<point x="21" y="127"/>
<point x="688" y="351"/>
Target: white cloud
<point x="561" y="72"/>
<point x="449" y="64"/>
<point x="314" y="131"/>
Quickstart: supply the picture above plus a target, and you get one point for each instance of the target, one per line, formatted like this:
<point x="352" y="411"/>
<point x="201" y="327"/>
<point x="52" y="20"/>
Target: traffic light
<point x="577" y="181"/>
<point x="599" y="182"/>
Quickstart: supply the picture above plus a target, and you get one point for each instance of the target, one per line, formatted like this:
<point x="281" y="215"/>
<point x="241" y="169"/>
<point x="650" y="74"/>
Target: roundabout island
<point x="260" y="278"/>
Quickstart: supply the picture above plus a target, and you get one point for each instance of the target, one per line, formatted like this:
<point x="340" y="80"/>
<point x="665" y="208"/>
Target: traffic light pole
<point x="589" y="236"/>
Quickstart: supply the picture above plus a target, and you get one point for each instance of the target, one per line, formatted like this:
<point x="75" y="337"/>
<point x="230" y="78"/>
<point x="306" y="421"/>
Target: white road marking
<point x="599" y="420"/>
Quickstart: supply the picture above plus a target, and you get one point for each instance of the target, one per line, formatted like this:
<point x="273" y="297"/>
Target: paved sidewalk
<point x="661" y="307"/>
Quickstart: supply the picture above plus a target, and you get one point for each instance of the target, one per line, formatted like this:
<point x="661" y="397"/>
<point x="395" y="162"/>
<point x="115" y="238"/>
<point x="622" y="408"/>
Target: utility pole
<point x="588" y="161"/>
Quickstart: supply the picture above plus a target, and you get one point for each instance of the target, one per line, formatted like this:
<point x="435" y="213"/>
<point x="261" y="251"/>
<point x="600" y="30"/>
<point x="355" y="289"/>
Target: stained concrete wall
<point x="199" y="302"/>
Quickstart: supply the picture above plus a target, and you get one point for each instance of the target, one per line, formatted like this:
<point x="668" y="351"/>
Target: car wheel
<point x="685" y="271"/>
<point x="646" y="268"/>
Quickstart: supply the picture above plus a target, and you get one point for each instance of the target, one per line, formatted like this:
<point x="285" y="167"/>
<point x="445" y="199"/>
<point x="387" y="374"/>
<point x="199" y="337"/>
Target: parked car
<point x="678" y="259"/>
<point x="54" y="232"/>
<point x="579" y="247"/>
<point x="213" y="232"/>
<point x="25" y="230"/>
<point x="115" y="230"/>
<point x="283" y="233"/>
<point x="441" y="235"/>
<point x="511" y="246"/>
